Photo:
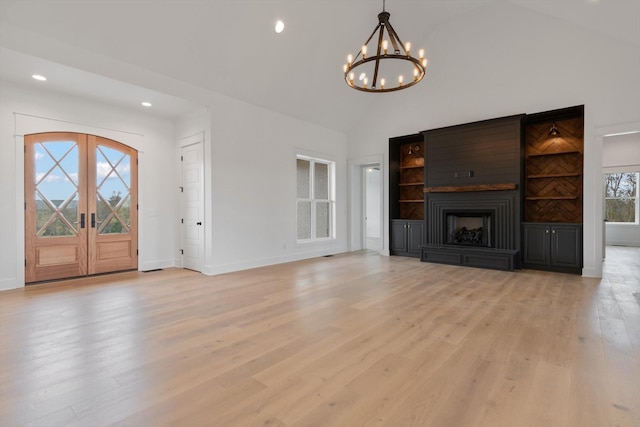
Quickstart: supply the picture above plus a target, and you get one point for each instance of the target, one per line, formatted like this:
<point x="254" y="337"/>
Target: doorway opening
<point x="372" y="207"/>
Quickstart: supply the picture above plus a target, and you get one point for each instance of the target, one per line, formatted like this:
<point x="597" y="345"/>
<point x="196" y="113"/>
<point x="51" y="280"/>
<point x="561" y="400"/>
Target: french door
<point x="81" y="198"/>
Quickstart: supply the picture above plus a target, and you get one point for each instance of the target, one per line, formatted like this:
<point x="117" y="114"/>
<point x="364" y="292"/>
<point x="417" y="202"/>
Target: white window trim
<point x="332" y="200"/>
<point x="636" y="198"/>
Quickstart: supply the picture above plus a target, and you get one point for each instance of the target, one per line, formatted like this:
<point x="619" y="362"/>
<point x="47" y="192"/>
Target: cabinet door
<point x="415" y="236"/>
<point x="566" y="250"/>
<point x="536" y="244"/>
<point x="398" y="241"/>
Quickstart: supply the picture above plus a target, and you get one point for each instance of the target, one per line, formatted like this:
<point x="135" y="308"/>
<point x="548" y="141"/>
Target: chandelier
<point x="384" y="62"/>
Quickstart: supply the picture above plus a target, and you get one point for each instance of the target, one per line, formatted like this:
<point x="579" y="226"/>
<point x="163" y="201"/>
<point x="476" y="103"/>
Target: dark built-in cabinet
<point x="406" y="237"/>
<point x="553" y="246"/>
<point x="553" y="170"/>
<point x="406" y="195"/>
<point x="502" y="193"/>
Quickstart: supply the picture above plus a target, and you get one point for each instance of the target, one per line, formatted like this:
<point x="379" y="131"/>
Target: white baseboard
<point x="6" y="284"/>
<point x="590" y="272"/>
<point x="229" y="268"/>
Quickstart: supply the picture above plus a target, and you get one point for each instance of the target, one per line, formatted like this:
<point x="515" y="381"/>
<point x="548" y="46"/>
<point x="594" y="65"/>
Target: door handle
<point x="93" y="220"/>
<point x="199" y="223"/>
<point x="81" y="220"/>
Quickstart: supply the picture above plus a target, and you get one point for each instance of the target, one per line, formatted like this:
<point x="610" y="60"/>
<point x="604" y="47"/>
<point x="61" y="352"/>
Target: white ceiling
<point x="174" y="53"/>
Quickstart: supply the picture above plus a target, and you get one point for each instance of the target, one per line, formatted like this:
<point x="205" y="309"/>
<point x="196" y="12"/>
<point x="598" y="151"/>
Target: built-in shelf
<point x="554" y="153"/>
<point x="406" y="180"/>
<point x="553" y="167"/>
<point x="553" y="198"/>
<point x="553" y="175"/>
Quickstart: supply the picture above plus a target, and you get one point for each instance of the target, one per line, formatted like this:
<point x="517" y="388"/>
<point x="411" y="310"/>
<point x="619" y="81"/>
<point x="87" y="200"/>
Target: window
<point x="315" y="200"/>
<point x="621" y="197"/>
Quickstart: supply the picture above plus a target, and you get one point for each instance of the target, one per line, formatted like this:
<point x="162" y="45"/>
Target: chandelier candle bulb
<point x="416" y="73"/>
<point x="365" y="82"/>
<point x="421" y="53"/>
<point x="407" y="47"/>
<point x="350" y="59"/>
<point x="400" y="80"/>
<point x="381" y="83"/>
<point x="364" y="52"/>
<point x="345" y="67"/>
<point x="385" y="45"/>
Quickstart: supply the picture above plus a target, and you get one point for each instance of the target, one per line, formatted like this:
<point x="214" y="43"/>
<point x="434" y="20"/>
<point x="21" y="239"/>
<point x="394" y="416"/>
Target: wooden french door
<point x="81" y="198"/>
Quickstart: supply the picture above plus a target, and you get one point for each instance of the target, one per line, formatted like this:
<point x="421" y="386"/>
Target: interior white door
<point x="192" y="159"/>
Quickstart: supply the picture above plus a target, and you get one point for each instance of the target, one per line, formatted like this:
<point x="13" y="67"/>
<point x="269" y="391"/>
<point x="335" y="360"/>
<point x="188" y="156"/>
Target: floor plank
<point x="351" y="340"/>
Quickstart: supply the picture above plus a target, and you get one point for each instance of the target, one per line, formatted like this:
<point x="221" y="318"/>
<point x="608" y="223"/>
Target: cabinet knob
<point x="546" y="231"/>
<point x="553" y="231"/>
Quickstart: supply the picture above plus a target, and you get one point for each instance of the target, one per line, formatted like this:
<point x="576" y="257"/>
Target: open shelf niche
<point x="554" y="168"/>
<point x="407" y="177"/>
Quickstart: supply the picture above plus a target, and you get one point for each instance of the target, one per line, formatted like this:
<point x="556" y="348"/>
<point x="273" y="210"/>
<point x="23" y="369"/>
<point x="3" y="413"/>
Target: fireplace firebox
<point x="469" y="228"/>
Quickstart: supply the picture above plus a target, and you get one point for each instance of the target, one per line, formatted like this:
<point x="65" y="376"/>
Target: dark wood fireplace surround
<point x="480" y="168"/>
<point x="474" y="168"/>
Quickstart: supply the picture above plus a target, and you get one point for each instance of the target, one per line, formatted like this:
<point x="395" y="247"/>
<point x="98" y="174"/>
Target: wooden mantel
<point x="465" y="188"/>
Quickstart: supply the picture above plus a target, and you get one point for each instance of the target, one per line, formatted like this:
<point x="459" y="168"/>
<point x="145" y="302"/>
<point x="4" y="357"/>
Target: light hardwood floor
<point x="349" y="340"/>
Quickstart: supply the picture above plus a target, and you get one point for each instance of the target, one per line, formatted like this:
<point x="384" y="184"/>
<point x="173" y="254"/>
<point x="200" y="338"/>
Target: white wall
<point x="252" y="201"/>
<point x="249" y="177"/>
<point x="24" y="110"/>
<point x="523" y="63"/>
<point x="621" y="153"/>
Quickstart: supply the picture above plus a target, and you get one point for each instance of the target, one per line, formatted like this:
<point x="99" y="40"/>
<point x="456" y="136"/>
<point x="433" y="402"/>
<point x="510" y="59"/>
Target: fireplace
<point x="469" y="228"/>
<point x="473" y="228"/>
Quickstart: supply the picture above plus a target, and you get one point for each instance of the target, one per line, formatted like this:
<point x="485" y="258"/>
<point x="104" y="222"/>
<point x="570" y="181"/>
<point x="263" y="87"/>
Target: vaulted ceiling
<point x="174" y="53"/>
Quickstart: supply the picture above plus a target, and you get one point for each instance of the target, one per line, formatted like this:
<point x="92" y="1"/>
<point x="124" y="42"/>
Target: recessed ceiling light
<point x="39" y="77"/>
<point x="279" y="27"/>
<point x="146" y="104"/>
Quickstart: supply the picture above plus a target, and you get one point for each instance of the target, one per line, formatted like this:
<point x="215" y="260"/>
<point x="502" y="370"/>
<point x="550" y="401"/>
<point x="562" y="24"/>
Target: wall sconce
<point x="414" y="148"/>
<point x="554" y="131"/>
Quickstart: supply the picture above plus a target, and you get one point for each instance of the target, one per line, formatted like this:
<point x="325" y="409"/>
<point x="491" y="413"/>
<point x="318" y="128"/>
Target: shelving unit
<point x="553" y="171"/>
<point x="407" y="177"/>
<point x="406" y="194"/>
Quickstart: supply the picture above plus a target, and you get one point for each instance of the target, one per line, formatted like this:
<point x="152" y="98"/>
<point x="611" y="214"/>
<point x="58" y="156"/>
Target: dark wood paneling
<point x="486" y="152"/>
<point x="553" y="168"/>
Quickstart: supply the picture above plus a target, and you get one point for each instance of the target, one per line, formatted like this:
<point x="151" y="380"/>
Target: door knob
<point x="199" y="223"/>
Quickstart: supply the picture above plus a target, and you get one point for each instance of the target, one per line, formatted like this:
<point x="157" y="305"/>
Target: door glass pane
<point x="57" y="228"/>
<point x="322" y="219"/>
<point x="113" y="173"/>
<point x="56" y="179"/>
